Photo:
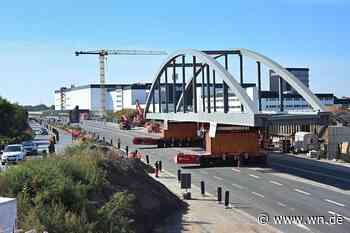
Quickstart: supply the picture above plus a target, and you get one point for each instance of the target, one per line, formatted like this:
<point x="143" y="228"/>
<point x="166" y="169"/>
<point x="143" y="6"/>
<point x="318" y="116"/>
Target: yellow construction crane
<point x="103" y="53"/>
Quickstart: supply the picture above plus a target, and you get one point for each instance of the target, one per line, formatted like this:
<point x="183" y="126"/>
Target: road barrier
<point x="156" y="165"/>
<point x="160" y="165"/>
<point x="227" y="199"/>
<point x="219" y="194"/>
<point x="202" y="188"/>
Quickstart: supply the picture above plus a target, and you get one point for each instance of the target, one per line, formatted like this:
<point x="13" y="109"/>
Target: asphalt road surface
<point x="288" y="186"/>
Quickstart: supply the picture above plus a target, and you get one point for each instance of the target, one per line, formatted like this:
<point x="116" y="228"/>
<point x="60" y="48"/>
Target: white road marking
<point x="236" y="170"/>
<point x="254" y="176"/>
<point x="302" y="226"/>
<point x="301" y="191"/>
<point x="281" y="204"/>
<point x="218" y="178"/>
<point x="205" y="172"/>
<point x="334" y="213"/>
<point x="335" y="203"/>
<point x="237" y="186"/>
<point x="258" y="194"/>
<point x="276" y="183"/>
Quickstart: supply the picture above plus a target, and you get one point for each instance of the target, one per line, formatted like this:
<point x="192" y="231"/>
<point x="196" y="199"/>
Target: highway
<point x="288" y="186"/>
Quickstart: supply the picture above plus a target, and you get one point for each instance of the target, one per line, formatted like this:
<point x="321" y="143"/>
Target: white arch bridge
<point x="196" y="86"/>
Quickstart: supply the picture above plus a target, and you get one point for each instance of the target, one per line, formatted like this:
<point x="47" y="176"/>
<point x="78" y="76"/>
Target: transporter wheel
<point x="167" y="143"/>
<point x="189" y="142"/>
<point x="160" y="144"/>
<point x="203" y="162"/>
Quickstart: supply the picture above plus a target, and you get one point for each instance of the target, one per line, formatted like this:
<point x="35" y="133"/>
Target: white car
<point x="13" y="153"/>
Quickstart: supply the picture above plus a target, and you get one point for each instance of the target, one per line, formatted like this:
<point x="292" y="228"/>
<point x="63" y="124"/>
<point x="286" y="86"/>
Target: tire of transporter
<point x="160" y="144"/>
<point x="203" y="162"/>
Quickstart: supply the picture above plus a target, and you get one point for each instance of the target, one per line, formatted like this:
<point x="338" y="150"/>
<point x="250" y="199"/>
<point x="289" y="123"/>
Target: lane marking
<point x="218" y="178"/>
<point x="302" y="226"/>
<point x="334" y="213"/>
<point x="258" y="194"/>
<point x="254" y="176"/>
<point x="303" y="192"/>
<point x="335" y="203"/>
<point x="276" y="183"/>
<point x="236" y="170"/>
<point x="237" y="186"/>
<point x="281" y="204"/>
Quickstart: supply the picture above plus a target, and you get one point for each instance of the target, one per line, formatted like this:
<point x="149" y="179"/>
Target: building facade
<point x="300" y="73"/>
<point x="120" y="96"/>
<point x="292" y="102"/>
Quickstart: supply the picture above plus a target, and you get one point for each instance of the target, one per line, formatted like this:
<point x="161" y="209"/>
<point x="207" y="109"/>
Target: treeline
<point x="40" y="107"/>
<point x="13" y="123"/>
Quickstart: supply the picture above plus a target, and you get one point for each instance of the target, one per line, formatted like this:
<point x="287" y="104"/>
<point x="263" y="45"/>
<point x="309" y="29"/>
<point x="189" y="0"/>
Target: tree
<point x="13" y="122"/>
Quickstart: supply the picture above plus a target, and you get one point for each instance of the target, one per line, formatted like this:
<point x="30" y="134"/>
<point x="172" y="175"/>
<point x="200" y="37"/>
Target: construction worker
<point x="51" y="145"/>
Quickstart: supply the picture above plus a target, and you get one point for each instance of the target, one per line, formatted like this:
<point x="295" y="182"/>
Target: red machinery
<point x="139" y="119"/>
<point x="124" y="123"/>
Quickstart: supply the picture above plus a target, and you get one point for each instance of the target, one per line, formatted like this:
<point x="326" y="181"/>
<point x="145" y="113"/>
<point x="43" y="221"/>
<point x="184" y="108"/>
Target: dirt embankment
<point x="153" y="202"/>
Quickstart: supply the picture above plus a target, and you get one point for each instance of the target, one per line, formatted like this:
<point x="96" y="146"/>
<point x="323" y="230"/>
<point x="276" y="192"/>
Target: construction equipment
<point x="231" y="144"/>
<point x="103" y="53"/>
<point x="125" y="123"/>
<point x="305" y="141"/>
<point x="139" y="118"/>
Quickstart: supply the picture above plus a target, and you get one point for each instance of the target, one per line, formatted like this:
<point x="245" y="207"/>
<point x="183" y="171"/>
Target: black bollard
<point x="202" y="188"/>
<point x="160" y="165"/>
<point x="219" y="194"/>
<point x="118" y="143"/>
<point x="126" y="151"/>
<point x="111" y="141"/>
<point x="227" y="199"/>
<point x="103" y="139"/>
<point x="147" y="159"/>
<point x="156" y="165"/>
<point x="178" y="175"/>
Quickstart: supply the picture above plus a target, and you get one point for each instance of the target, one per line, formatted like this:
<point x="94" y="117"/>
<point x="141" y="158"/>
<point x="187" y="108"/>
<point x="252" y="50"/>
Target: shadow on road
<point x="322" y="172"/>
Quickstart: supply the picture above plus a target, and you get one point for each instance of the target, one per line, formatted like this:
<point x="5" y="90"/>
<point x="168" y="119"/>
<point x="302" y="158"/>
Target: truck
<point x="8" y="210"/>
<point x="305" y="141"/>
<point x="230" y="145"/>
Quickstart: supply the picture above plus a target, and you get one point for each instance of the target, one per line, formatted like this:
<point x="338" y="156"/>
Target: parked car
<point x="30" y="147"/>
<point x="44" y="131"/>
<point x="13" y="153"/>
<point x="313" y="154"/>
<point x="42" y="146"/>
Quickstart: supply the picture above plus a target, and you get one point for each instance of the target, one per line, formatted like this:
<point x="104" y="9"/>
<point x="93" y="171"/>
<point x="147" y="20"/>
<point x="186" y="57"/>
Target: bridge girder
<point x="208" y="58"/>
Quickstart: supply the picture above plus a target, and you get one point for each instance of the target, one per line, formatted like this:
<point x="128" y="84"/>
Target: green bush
<point x="58" y="194"/>
<point x="114" y="215"/>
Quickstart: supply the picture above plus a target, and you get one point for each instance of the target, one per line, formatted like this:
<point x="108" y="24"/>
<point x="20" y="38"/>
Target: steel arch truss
<point x="185" y="106"/>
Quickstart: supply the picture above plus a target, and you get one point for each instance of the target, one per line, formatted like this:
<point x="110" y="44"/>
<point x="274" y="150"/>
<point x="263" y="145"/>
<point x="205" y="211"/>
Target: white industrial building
<point x="88" y="97"/>
<point x="121" y="96"/>
<point x="269" y="100"/>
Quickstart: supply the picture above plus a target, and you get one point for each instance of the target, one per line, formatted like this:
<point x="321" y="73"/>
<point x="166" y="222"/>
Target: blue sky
<point x="38" y="38"/>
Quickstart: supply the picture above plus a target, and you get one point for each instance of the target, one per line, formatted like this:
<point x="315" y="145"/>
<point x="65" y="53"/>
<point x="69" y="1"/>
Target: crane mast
<point x="102" y="63"/>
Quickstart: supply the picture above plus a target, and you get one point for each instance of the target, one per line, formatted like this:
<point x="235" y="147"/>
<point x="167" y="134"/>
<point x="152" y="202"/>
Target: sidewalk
<point x="205" y="215"/>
